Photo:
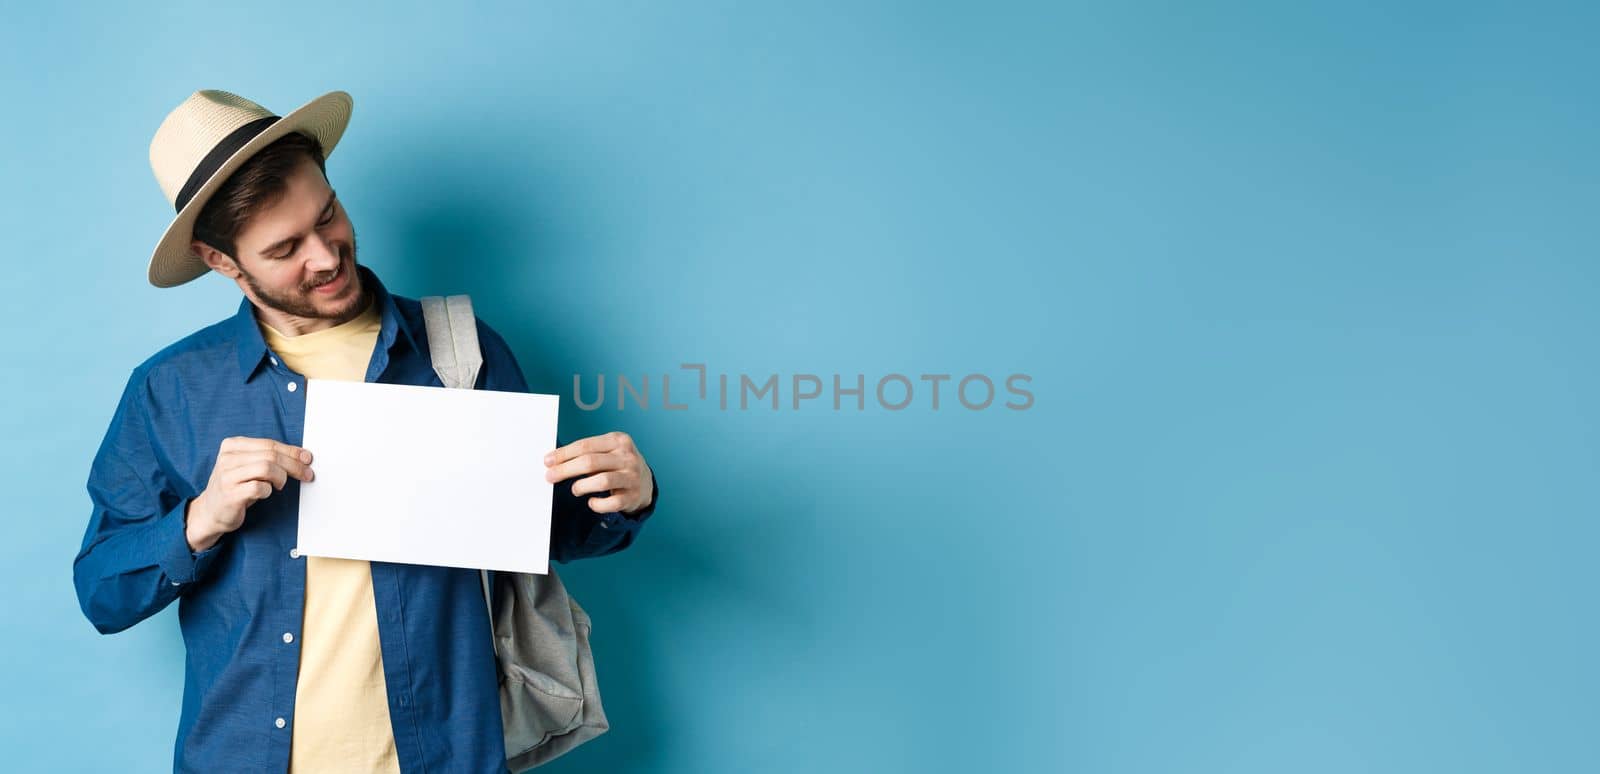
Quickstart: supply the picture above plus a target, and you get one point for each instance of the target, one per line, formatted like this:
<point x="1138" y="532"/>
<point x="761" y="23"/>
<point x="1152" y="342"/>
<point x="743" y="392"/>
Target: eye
<point x="328" y="219"/>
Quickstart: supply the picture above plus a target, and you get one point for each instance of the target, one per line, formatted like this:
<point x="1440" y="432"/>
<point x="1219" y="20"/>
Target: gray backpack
<point x="549" y="698"/>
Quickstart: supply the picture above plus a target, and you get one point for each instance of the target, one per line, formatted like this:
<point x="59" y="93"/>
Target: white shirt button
<point x="175" y="583"/>
<point x="288" y="637"/>
<point x="293" y="387"/>
<point x="280" y="722"/>
<point x="294" y="553"/>
<point x="273" y="359"/>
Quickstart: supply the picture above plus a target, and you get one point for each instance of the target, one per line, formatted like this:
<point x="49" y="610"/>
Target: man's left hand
<point x="608" y="461"/>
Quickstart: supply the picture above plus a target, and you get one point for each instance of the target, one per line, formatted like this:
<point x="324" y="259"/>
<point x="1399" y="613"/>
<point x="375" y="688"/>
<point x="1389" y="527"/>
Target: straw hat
<point x="205" y="140"/>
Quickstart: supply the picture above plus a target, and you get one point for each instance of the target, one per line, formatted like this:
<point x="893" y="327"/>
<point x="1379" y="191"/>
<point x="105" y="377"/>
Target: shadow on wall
<point x="502" y="233"/>
<point x="492" y="239"/>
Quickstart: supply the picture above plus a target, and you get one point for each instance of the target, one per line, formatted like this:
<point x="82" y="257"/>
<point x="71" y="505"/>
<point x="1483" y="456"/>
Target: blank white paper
<point x="428" y="475"/>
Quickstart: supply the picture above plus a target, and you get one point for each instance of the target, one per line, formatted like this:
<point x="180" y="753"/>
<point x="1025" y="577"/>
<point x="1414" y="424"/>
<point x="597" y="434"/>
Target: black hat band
<point x="220" y="153"/>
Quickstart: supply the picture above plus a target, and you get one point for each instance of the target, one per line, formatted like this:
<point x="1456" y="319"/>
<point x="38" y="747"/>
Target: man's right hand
<point x="247" y="470"/>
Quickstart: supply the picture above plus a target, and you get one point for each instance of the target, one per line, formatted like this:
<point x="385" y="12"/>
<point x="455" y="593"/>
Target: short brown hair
<point x="252" y="187"/>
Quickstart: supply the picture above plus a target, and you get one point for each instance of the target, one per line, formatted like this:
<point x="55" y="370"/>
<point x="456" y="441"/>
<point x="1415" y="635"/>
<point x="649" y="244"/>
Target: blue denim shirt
<point x="238" y="598"/>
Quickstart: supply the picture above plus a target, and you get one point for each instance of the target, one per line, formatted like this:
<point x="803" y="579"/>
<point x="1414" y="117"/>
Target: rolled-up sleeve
<point x="135" y="557"/>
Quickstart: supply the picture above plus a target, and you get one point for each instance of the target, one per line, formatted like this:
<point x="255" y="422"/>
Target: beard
<point x="302" y="303"/>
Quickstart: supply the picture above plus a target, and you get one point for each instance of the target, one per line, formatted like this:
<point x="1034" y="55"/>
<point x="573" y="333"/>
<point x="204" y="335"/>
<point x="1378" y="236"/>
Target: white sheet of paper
<point x="428" y="475"/>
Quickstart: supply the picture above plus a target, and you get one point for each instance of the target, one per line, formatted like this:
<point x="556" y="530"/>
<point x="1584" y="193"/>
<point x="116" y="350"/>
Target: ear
<point x="219" y="261"/>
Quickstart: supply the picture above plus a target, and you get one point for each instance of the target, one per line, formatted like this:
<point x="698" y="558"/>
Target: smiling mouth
<point x="333" y="283"/>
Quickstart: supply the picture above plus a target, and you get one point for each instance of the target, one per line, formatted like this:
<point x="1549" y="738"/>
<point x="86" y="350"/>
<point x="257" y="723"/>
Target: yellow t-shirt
<point x="341" y="706"/>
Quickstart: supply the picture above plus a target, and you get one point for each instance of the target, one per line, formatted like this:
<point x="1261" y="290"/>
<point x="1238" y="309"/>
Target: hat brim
<point x="174" y="262"/>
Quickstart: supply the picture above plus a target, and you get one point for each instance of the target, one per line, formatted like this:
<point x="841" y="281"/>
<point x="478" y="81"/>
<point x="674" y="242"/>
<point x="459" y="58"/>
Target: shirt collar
<point x="252" y="347"/>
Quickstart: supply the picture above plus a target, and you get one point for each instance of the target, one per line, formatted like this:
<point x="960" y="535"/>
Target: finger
<point x="297" y="452"/>
<point x="251" y="448"/>
<point x="276" y="456"/>
<point x="243" y="444"/>
<point x="613" y="480"/>
<point x="259" y="490"/>
<point x="262" y="470"/>
<point x="588" y="463"/>
<point x="595" y="443"/>
<point x="272" y="473"/>
<point x="574" y="450"/>
<point x="606" y="504"/>
<point x="292" y="465"/>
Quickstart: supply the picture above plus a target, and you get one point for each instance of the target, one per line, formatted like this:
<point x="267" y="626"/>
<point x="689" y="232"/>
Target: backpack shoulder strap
<point x="453" y="344"/>
<point x="453" y="339"/>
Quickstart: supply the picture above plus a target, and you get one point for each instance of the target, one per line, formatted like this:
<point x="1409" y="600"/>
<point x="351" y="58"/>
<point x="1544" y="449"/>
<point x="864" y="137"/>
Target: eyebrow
<point x="272" y="248"/>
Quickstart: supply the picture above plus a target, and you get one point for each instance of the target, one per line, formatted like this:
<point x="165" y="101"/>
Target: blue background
<point x="1307" y="296"/>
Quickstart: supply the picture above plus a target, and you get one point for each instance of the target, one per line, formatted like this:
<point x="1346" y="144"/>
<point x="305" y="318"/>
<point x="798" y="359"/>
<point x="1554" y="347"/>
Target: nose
<point x="323" y="256"/>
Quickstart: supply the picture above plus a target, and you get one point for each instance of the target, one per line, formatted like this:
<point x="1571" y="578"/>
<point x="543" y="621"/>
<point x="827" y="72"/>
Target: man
<point x="299" y="663"/>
